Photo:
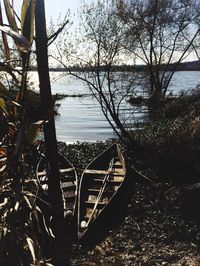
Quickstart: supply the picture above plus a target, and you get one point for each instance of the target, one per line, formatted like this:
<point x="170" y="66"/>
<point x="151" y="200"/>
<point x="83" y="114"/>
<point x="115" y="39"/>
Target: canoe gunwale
<point x="111" y="200"/>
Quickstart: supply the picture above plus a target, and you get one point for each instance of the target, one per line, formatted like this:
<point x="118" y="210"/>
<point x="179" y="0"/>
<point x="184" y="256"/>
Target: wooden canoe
<point x="68" y="181"/>
<point x="101" y="192"/>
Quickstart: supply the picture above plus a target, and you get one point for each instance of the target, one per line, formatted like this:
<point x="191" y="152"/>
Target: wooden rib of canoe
<point x="68" y="181"/>
<point x="102" y="186"/>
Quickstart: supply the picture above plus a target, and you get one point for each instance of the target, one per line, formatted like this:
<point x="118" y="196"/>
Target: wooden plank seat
<point x="112" y="173"/>
<point x="90" y="204"/>
<point x="98" y="172"/>
<point x="62" y="171"/>
<point x="95" y="192"/>
<point x="68" y="187"/>
<point x="117" y="165"/>
<point x="117" y="174"/>
<point x="68" y="198"/>
<point x="109" y="182"/>
<point x="66" y="170"/>
<point x="66" y="178"/>
<point x="43" y="173"/>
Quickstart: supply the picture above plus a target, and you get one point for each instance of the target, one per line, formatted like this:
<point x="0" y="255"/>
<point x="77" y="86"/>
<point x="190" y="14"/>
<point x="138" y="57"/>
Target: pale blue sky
<point x="55" y="7"/>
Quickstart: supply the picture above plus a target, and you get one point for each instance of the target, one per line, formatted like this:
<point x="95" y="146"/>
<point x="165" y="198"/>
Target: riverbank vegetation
<point x="161" y="226"/>
<point x="24" y="227"/>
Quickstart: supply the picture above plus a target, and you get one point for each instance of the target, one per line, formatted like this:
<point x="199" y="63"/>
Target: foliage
<point x="178" y="119"/>
<point x="101" y="37"/>
<point x="186" y="103"/>
<point x="171" y="144"/>
<point x="20" y="213"/>
<point x="158" y="34"/>
<point x="23" y="224"/>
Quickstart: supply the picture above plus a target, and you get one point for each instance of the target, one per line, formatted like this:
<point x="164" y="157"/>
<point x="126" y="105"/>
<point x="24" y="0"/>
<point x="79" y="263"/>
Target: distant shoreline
<point x="186" y="66"/>
<point x="81" y="70"/>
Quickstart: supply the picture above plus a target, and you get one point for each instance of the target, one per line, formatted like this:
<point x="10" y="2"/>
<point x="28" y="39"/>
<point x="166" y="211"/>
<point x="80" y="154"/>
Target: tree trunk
<point x="54" y="191"/>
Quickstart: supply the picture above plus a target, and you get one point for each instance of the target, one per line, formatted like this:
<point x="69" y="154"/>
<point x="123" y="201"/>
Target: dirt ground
<point x="161" y="226"/>
<point x="156" y="231"/>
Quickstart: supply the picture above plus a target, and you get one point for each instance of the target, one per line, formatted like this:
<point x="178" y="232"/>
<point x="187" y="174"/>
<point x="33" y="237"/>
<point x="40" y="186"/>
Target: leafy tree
<point x="99" y="48"/>
<point x="160" y="34"/>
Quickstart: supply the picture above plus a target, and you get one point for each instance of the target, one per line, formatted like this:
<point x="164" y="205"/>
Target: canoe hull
<point x="68" y="185"/>
<point x="108" y="185"/>
<point x="68" y="181"/>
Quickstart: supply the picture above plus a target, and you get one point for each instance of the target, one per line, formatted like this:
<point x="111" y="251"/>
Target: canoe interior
<point x="68" y="180"/>
<point x="100" y="182"/>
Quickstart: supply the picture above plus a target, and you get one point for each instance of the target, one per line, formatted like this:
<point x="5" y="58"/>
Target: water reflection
<point x="81" y="119"/>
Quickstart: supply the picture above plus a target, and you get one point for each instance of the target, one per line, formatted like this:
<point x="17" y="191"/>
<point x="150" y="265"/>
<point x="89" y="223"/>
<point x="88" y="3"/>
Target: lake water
<point x="81" y="118"/>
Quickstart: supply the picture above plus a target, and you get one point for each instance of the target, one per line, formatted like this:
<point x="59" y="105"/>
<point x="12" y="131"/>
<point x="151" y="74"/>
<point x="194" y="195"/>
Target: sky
<point x="54" y="8"/>
<point x="60" y="7"/>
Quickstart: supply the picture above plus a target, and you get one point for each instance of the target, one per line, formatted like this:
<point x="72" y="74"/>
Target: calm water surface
<point x="81" y="118"/>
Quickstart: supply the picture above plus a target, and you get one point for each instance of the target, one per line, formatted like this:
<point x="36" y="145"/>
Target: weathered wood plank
<point x="96" y="192"/>
<point x="66" y="170"/>
<point x="90" y="204"/>
<point x="98" y="172"/>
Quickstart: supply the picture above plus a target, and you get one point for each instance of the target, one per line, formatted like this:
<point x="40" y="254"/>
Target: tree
<point x="160" y="34"/>
<point x="54" y="190"/>
<point x="99" y="49"/>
